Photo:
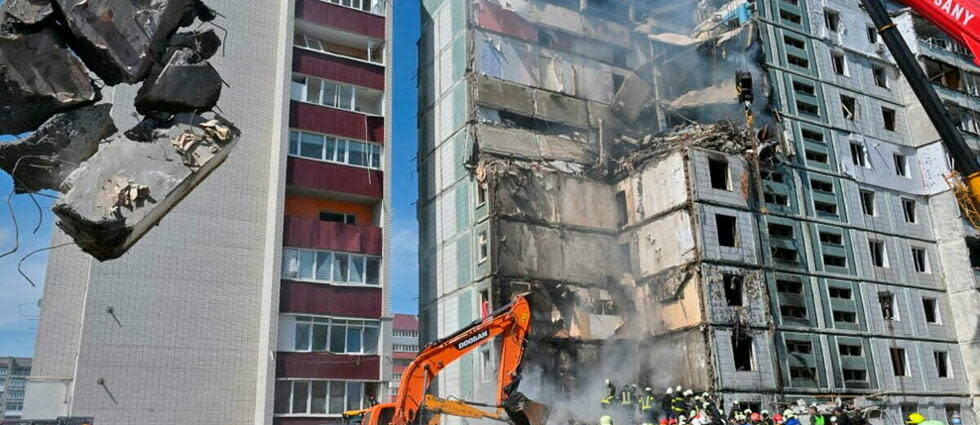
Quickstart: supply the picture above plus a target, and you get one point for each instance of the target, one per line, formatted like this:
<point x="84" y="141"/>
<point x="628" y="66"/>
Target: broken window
<point x="831" y="238"/>
<point x="839" y="62"/>
<point x="727" y="227"/>
<point x="617" y="81"/>
<point x="872" y="35"/>
<point x="832" y="20"/>
<point x="799" y="347"/>
<point x="777" y="230"/>
<point x="481" y="194"/>
<point x="816" y="156"/>
<point x="848" y="107"/>
<point x="834" y="260"/>
<point x="860" y="375"/>
<point x="973" y="246"/>
<point x="621" y="209"/>
<point x="919" y="260"/>
<point x="908" y="206"/>
<point x="773" y="176"/>
<point x="867" y="202"/>
<point x="789" y="286"/>
<point x="901" y="165"/>
<point x="839" y="293"/>
<point x="850" y="350"/>
<point x="845" y="316"/>
<point x="899" y="362"/>
<point x="775" y="198"/>
<point x="859" y="155"/>
<point x="794" y="42"/>
<point x="821" y="185"/>
<point x="931" y="309"/>
<point x="825" y="207"/>
<point x="360" y="48"/>
<point x="604" y="308"/>
<point x="887" y="303"/>
<point x="879" y="257"/>
<point x="337" y="217"/>
<point x="942" y="363"/>
<point x="784" y="254"/>
<point x="733" y="289"/>
<point x="742" y="352"/>
<point x="792" y="312"/>
<point x="483" y="246"/>
<point x="880" y="76"/>
<point x="946" y="75"/>
<point x="888" y="117"/>
<point x="718" y="172"/>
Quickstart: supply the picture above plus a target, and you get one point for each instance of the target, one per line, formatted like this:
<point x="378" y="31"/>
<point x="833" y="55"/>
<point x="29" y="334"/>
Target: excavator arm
<point x="512" y="322"/>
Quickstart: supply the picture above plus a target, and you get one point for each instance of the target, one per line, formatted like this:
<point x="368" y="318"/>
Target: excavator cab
<point x="380" y="414"/>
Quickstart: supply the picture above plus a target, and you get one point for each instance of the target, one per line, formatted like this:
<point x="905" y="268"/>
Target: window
<point x="483" y="246"/>
<point x="931" y="309"/>
<point x="777" y="230"/>
<point x="622" y="210"/>
<point x="867" y="202"/>
<point x="850" y="350"/>
<point x="794" y="42"/>
<point x="804" y="88"/>
<point x="899" y="362"/>
<point x="742" y="352"/>
<point x="316" y="333"/>
<point x="848" y="107"/>
<point x="840" y="64"/>
<point x="800" y="372"/>
<point x="405" y="348"/>
<point x="487" y="371"/>
<point x="330" y="267"/>
<point x="839" y="293"/>
<point x="888" y="309"/>
<point x="845" y="316"/>
<point x="825" y="207"/>
<point x="880" y="76"/>
<point x="822" y="186"/>
<point x="908" y="206"/>
<point x="718" y="171"/>
<point x="901" y="165"/>
<point x="373" y="6"/>
<point x="481" y="194"/>
<point x="784" y="254"/>
<point x="321" y="147"/>
<point x="792" y="312"/>
<point x="888" y="118"/>
<point x="908" y="408"/>
<point x="816" y="156"/>
<point x="834" y="260"/>
<point x="790" y="17"/>
<point x="727" y="227"/>
<point x="358" y="48"/>
<point x="797" y="60"/>
<point x="807" y="108"/>
<point x="952" y="411"/>
<point x="336" y="95"/>
<point x="879" y="256"/>
<point x="831" y="238"/>
<point x="773" y="176"/>
<point x="321" y="397"/>
<point x="854" y="374"/>
<point x="872" y="35"/>
<point x="919" y="260"/>
<point x="733" y="289"/>
<point x="859" y="155"/>
<point x="799" y="347"/>
<point x="789" y="286"/>
<point x="617" y="80"/>
<point x="404" y="333"/>
<point x="832" y="20"/>
<point x="942" y="363"/>
<point x="337" y="217"/>
<point x="775" y="198"/>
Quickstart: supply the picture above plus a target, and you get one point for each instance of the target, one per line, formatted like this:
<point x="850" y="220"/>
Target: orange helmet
<point x="755" y="417"/>
<point x="663" y="422"/>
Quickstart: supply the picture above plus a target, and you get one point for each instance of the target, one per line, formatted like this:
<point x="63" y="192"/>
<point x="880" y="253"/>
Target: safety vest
<point x="625" y="398"/>
<point x="608" y="399"/>
<point x="646" y="403"/>
<point x="677" y="405"/>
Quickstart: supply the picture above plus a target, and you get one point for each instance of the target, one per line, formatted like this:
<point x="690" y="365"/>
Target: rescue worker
<point x="626" y="396"/>
<point x="917" y="419"/>
<point x="647" y="411"/>
<point x="733" y="414"/>
<point x="790" y="418"/>
<point x="682" y="420"/>
<point x="610" y="395"/>
<point x="755" y="418"/>
<point x="711" y="410"/>
<point x="677" y="403"/>
<point x="688" y="400"/>
<point x="666" y="404"/>
<point x="766" y="418"/>
<point x="605" y="420"/>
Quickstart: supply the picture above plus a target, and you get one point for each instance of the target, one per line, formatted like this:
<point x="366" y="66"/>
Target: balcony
<point x="316" y="298"/>
<point x="949" y="52"/>
<point x="342" y="18"/>
<point x="319" y="178"/>
<point x="337" y="68"/>
<point x="331" y="236"/>
<point x="323" y="365"/>
<point x="337" y="122"/>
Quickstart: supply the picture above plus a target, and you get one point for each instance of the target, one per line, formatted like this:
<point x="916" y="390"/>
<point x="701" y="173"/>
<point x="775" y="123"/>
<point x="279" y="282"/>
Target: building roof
<point x="406" y="322"/>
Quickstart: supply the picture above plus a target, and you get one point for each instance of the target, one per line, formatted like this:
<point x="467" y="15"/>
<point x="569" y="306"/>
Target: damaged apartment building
<point x="594" y="154"/>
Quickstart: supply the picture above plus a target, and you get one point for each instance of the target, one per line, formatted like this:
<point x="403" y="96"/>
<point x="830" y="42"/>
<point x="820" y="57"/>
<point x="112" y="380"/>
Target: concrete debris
<point x="186" y="84"/>
<point x="39" y="77"/>
<point x="20" y="14"/>
<point x="120" y="40"/>
<point x="204" y="43"/>
<point x="723" y="137"/>
<point x="631" y="97"/>
<point x="45" y="158"/>
<point x="124" y="190"/>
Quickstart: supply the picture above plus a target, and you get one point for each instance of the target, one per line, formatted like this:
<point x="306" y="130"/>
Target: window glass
<point x="356" y="269"/>
<point x="300" y="395"/>
<point x="358" y="153"/>
<point x="354" y="394"/>
<point x="283" y="390"/>
<point x="376" y="156"/>
<point x="337" y="391"/>
<point x="290" y="262"/>
<point x="313" y="90"/>
<point x="330" y="149"/>
<point x="353" y="339"/>
<point x="306" y="260"/>
<point x="371" y="340"/>
<point x="318" y="401"/>
<point x="345" y="94"/>
<point x="341" y="151"/>
<point x="320" y="332"/>
<point x="311" y="145"/>
<point x="338" y="337"/>
<point x="294" y="143"/>
<point x="340" y="267"/>
<point x="302" y="336"/>
<point x="323" y="261"/>
<point x="299" y="40"/>
<point x="329" y="93"/>
<point x="297" y="90"/>
<point x="373" y="270"/>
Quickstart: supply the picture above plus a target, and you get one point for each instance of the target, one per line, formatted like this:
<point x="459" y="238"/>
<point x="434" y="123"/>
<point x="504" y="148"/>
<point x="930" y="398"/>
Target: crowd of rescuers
<point x="683" y="407"/>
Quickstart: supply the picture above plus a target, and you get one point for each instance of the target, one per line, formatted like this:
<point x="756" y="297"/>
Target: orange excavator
<point x="512" y="323"/>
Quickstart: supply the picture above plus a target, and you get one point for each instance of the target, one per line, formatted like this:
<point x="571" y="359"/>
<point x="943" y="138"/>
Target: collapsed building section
<point x="561" y="155"/>
<point x="47" y="49"/>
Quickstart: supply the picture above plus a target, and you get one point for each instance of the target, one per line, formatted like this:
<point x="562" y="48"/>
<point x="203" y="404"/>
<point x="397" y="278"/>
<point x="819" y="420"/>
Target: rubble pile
<point x="114" y="187"/>
<point x="725" y="137"/>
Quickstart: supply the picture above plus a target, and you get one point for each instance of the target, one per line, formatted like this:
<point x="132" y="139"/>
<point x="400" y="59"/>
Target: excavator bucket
<point x="524" y="411"/>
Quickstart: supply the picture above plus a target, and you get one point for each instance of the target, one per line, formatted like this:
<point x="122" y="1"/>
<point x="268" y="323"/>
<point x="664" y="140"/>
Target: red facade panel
<point x="318" y="234"/>
<point x="342" y="18"/>
<point x="495" y="18"/>
<point x="334" y="300"/>
<point x="338" y="69"/>
<point x="337" y="122"/>
<point x="327" y="366"/>
<point x="337" y="178"/>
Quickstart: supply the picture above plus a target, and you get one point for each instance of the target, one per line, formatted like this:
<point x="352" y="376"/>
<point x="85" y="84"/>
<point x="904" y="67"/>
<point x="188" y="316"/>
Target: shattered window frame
<point x="909" y="210"/>
<point x="879" y="253"/>
<point x="294" y="260"/>
<point x="318" y="332"/>
<point x="339" y="149"/>
<point x="888" y="304"/>
<point x="839" y="62"/>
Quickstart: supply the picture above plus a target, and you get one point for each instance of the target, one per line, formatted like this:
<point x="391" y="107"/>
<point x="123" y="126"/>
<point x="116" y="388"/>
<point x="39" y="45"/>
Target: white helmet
<point x="670" y="391"/>
<point x="678" y="388"/>
<point x="648" y="389"/>
<point x="688" y="393"/>
<point x="608" y="381"/>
